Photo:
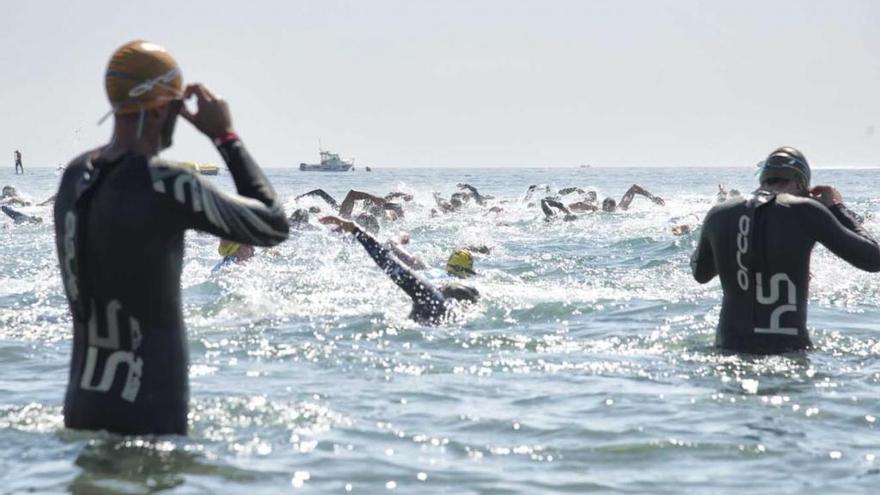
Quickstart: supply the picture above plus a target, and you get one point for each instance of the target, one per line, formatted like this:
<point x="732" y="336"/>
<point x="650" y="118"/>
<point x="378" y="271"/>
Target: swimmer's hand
<point x="212" y="117"/>
<point x="340" y="224"/>
<point x="827" y="195"/>
<point x="658" y="200"/>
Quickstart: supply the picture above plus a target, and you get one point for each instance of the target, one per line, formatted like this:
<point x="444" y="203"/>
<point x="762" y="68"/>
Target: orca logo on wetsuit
<point x="111" y="342"/>
<point x="742" y="247"/>
<point x="776" y="281"/>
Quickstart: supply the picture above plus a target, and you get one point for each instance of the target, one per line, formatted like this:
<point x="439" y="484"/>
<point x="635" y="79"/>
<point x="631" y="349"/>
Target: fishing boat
<point x="330" y="162"/>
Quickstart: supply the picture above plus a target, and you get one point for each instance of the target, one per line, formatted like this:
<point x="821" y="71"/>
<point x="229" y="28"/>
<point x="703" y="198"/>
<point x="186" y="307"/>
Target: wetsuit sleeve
<point x="703" y="260"/>
<point x="253" y="217"/>
<point x="417" y="288"/>
<point x="839" y="231"/>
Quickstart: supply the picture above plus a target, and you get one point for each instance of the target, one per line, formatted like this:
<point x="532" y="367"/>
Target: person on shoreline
<point x="18" y="165"/>
<point x="760" y="247"/>
<point x="431" y="305"/>
<point x="120" y="217"/>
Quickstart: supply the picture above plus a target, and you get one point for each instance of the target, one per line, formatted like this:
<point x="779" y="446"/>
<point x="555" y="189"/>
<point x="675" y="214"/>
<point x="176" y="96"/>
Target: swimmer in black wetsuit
<point x="431" y="305"/>
<point x="609" y="205"/>
<point x="760" y="247"/>
<point x="19" y="217"/>
<point x="120" y="218"/>
<point x="547" y="205"/>
<point x="472" y="192"/>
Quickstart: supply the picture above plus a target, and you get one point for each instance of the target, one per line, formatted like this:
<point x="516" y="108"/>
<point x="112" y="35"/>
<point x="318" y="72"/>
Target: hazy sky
<point x="468" y="83"/>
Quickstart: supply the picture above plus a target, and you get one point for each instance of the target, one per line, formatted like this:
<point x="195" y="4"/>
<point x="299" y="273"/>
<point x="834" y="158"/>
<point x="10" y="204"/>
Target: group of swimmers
<point x="128" y="372"/>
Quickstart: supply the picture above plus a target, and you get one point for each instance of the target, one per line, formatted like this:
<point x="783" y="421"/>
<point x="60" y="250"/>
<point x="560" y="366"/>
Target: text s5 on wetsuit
<point x="119" y="230"/>
<point x="760" y="247"/>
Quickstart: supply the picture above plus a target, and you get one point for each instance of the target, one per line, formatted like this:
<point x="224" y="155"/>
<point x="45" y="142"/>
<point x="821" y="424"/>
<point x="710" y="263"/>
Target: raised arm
<point x="253" y="216"/>
<point x="347" y="206"/>
<point x="323" y="195"/>
<point x="547" y="205"/>
<point x="480" y="198"/>
<point x="637" y="189"/>
<point x="836" y="227"/>
<point x="417" y="288"/>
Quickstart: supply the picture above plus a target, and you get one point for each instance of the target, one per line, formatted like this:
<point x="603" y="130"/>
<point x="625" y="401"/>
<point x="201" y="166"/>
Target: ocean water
<point x="588" y="365"/>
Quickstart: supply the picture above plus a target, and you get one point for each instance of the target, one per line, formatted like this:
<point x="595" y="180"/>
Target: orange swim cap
<point x="142" y="76"/>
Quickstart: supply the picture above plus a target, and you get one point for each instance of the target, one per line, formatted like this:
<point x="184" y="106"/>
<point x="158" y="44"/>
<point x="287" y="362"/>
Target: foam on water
<point x="587" y="366"/>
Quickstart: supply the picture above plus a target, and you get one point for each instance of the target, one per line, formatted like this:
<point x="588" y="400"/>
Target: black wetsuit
<point x="760" y="246"/>
<point x="429" y="304"/>
<point x="120" y="234"/>
<point x="19" y="217"/>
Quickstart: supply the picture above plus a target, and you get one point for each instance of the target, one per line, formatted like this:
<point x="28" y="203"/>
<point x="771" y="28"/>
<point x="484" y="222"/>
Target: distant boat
<point x="368" y="169"/>
<point x="201" y="168"/>
<point x="330" y="162"/>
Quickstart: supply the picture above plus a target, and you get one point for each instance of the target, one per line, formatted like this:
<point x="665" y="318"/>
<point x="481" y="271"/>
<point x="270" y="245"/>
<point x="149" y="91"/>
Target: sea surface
<point x="588" y="366"/>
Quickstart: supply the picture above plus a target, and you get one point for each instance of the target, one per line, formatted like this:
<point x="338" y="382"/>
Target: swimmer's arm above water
<point x="418" y="289"/>
<point x="481" y="199"/>
<point x="347" y="206"/>
<point x="630" y="194"/>
<point x="323" y="195"/>
<point x="833" y="225"/>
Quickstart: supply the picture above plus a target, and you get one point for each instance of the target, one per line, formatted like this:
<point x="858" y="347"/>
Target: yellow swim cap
<point x="142" y="76"/>
<point x="228" y="248"/>
<point x="461" y="264"/>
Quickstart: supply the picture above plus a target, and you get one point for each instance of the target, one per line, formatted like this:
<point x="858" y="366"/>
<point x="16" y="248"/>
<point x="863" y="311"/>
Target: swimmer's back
<point x="121" y="257"/>
<point x="761" y="252"/>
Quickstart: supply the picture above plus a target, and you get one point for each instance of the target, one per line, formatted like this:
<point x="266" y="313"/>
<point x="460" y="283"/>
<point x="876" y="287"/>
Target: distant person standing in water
<point x="760" y="247"/>
<point x="19" y="168"/>
<point x="120" y="217"/>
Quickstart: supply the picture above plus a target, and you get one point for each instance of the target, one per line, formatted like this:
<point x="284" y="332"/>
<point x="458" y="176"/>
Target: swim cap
<point x="608" y="204"/>
<point x="367" y="222"/>
<point x="461" y="264"/>
<point x="784" y="163"/>
<point x="460" y="292"/>
<point x="142" y="76"/>
<point x="228" y="248"/>
<point x="299" y="216"/>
